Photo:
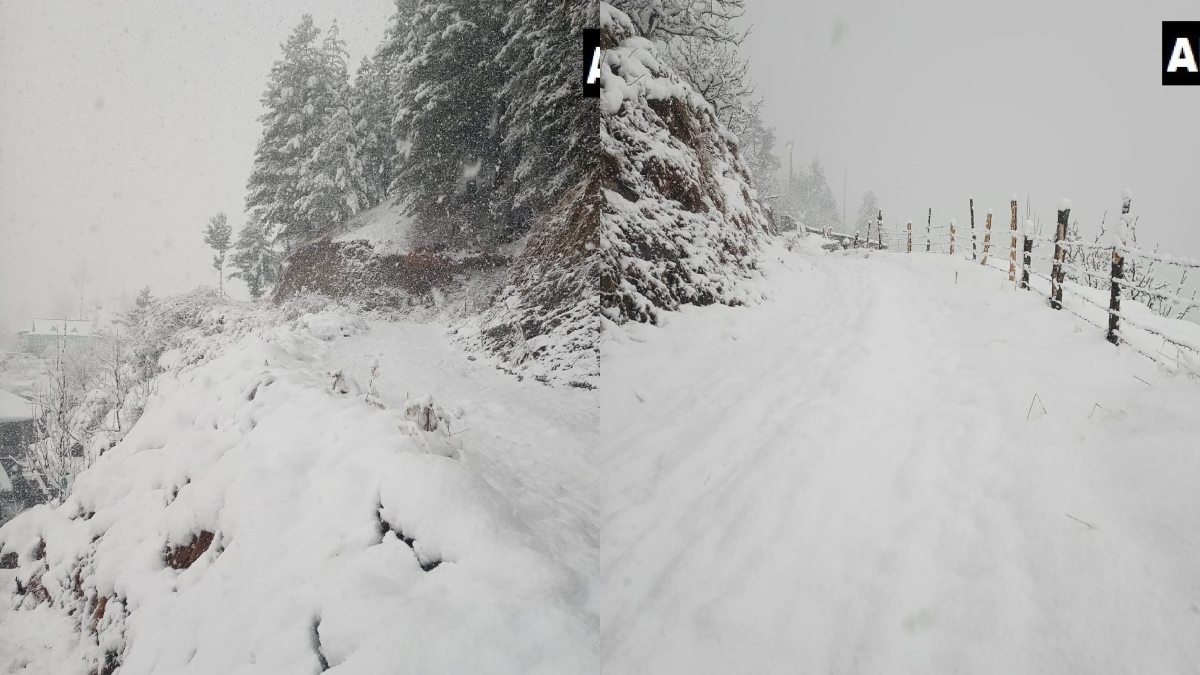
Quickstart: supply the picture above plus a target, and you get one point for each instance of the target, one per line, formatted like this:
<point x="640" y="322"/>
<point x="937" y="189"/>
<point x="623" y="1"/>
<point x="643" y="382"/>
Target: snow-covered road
<point x="844" y="480"/>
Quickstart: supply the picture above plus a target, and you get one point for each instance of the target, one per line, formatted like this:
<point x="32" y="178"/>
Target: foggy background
<point x="928" y="102"/>
<point x="125" y="126"/>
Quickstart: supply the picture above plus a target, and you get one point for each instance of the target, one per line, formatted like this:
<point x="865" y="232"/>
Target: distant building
<point x="45" y="334"/>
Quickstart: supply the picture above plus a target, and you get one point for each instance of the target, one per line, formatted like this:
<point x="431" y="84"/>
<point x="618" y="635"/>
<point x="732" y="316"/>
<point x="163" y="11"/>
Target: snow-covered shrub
<point x="158" y="324"/>
<point x="681" y="222"/>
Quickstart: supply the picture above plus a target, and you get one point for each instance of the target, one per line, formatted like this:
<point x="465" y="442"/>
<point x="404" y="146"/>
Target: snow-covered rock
<point x="545" y="320"/>
<point x="680" y="221"/>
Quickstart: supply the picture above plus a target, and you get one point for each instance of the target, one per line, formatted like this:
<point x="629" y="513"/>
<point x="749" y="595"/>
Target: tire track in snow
<point x="826" y="494"/>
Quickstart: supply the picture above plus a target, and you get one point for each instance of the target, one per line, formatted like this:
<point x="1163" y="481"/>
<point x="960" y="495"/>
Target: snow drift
<point x="681" y="222"/>
<point x="269" y="513"/>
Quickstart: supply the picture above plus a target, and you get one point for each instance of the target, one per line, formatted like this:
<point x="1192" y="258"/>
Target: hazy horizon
<point x="933" y="102"/>
<point x="125" y="127"/>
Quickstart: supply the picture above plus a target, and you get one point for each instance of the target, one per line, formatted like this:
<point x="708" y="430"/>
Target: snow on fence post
<point x="987" y="238"/>
<point x="973" y="256"/>
<point x="951" y="236"/>
<point x="1118" y="270"/>
<point x="909" y="237"/>
<point x="879" y="230"/>
<point x="1026" y="254"/>
<point x="1060" y="253"/>
<point x="1012" y="246"/>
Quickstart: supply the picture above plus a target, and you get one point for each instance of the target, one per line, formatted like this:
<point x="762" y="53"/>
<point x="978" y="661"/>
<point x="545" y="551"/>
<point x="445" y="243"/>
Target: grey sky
<point x="928" y="102"/>
<point x="125" y="125"/>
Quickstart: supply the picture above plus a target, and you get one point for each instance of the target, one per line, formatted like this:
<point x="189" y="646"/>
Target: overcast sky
<point x="927" y="102"/>
<point x="124" y="126"/>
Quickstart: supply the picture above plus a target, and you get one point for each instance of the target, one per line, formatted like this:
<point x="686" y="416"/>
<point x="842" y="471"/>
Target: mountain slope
<point x="681" y="222"/>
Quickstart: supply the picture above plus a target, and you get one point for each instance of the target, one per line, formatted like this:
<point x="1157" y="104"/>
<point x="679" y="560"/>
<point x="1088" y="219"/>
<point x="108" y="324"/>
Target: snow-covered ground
<point x="344" y="538"/>
<point x="385" y="227"/>
<point x="850" y="479"/>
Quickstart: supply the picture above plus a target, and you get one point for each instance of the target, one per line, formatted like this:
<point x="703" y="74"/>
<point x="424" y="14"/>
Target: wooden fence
<point x="1069" y="273"/>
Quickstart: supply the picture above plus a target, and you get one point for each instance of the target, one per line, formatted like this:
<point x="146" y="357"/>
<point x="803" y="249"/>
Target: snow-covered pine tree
<point x="814" y="199"/>
<point x="448" y="119"/>
<point x="291" y="128"/>
<point x="216" y="235"/>
<point x="372" y="111"/>
<point x="550" y="133"/>
<point x="868" y="212"/>
<point x="332" y="183"/>
<point x="255" y="259"/>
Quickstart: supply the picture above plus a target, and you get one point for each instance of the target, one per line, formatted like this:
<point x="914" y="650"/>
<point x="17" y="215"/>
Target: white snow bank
<point x="326" y="531"/>
<point x="385" y="227"/>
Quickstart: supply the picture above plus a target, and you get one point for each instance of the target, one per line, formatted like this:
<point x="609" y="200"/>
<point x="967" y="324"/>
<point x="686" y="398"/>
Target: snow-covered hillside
<point x="898" y="465"/>
<point x="277" y="509"/>
<point x="681" y="220"/>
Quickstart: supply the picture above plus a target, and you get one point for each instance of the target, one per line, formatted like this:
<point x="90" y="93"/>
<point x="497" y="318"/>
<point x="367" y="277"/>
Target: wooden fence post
<point x="1012" y="246"/>
<point x="929" y="230"/>
<point x="951" y="236"/>
<point x="987" y="238"/>
<point x="973" y="256"/>
<point x="909" y="237"/>
<point x="1026" y="254"/>
<point x="1060" y="253"/>
<point x="879" y="230"/>
<point x="1118" y="273"/>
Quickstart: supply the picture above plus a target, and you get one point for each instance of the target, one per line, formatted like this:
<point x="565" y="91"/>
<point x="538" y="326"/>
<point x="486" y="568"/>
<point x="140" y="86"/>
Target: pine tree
<point x="255" y="258"/>
<point x="296" y="101"/>
<point x="372" y="111"/>
<point x="143" y="298"/>
<point x="551" y="135"/>
<point x="447" y="121"/>
<point x="216" y="235"/>
<point x="331" y="184"/>
<point x="816" y="204"/>
<point x="867" y="213"/>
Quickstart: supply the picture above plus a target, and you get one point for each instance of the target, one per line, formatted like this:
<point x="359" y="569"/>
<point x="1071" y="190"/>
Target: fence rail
<point x="1065" y="287"/>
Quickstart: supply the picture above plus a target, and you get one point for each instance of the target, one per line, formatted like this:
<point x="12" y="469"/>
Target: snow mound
<point x="681" y="223"/>
<point x="385" y="228"/>
<point x="263" y="516"/>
